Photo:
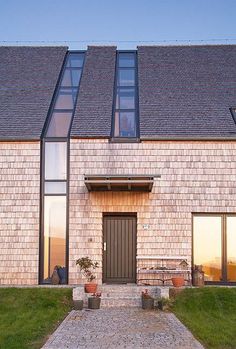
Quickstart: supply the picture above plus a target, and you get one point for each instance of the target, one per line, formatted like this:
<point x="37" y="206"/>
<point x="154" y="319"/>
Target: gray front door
<point x="119" y="248"/>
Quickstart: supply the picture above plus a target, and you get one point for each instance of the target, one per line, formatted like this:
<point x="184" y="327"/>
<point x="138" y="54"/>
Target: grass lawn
<point x="210" y="314"/>
<point x="28" y="315"/>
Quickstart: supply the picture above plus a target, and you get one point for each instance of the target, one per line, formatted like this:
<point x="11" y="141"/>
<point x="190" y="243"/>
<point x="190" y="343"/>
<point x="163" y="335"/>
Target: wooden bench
<point x="149" y="275"/>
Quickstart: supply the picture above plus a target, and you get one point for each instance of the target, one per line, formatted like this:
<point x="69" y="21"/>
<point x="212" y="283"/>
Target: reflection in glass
<point x="126" y="77"/>
<point x="55" y="160"/>
<point x="126" y="60"/>
<point x="55" y="188"/>
<point x="207" y="245"/>
<point x="125" y="124"/>
<point x="75" y="61"/>
<point x="125" y="98"/>
<point x="231" y="248"/>
<point x="71" y="77"/>
<point x="59" y="124"/>
<point x="54" y="234"/>
<point x="66" y="98"/>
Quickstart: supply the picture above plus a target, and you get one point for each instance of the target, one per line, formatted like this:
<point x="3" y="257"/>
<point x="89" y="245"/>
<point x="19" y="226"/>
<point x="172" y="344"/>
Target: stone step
<point x="107" y="302"/>
<point x="121" y="294"/>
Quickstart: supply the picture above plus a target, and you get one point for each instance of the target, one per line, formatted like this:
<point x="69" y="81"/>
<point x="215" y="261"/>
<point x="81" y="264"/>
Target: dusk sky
<point x="127" y="23"/>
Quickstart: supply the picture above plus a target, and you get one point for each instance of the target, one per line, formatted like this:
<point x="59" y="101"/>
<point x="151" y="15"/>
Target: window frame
<point x="113" y="138"/>
<point x="66" y="139"/>
<point x="223" y="216"/>
<point x="233" y="113"/>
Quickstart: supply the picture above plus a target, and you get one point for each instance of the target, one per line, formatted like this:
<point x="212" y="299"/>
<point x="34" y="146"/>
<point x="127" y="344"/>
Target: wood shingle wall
<point x="195" y="177"/>
<point x="19" y="212"/>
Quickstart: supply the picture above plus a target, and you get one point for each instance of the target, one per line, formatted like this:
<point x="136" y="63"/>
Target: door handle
<point x="104" y="246"/>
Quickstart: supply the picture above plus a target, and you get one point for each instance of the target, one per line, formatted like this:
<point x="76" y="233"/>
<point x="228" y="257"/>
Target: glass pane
<point x="117" y="125"/>
<point x="126" y="59"/>
<point x="125" y="99"/>
<point x="55" y="188"/>
<point x="59" y="124"/>
<point x="71" y="77"/>
<point x="55" y="160"/>
<point x="231" y="248"/>
<point x="208" y="246"/>
<point x="54" y="234"/>
<point x="75" y="60"/>
<point x="66" y="98"/>
<point x="126" y="77"/>
<point x="125" y="125"/>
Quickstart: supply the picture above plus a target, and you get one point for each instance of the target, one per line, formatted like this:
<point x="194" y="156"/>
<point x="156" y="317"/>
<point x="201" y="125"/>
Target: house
<point x="128" y="157"/>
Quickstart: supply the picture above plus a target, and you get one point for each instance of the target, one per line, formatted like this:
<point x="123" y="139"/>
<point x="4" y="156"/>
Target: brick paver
<point x="116" y="328"/>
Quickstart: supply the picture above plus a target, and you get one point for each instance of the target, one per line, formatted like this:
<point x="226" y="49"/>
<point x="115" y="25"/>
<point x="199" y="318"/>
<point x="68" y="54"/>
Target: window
<point x="55" y="160"/>
<point x="233" y="112"/>
<point x="59" y="121"/>
<point x="54" y="234"/>
<point x="125" y="108"/>
<point x="59" y="124"/>
<point x="54" y="174"/>
<point x="214" y="241"/>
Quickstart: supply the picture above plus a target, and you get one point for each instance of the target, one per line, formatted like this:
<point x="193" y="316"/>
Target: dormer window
<point x="126" y="102"/>
<point x="233" y="112"/>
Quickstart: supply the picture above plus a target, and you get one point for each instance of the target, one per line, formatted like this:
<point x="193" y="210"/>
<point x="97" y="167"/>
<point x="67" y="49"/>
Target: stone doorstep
<point x="121" y="295"/>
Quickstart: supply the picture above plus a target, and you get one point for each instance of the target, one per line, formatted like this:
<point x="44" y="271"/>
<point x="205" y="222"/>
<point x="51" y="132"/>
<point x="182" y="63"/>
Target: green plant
<point x="29" y="315"/>
<point x="146" y="295"/>
<point x="164" y="303"/>
<point x="86" y="266"/>
<point x="97" y="294"/>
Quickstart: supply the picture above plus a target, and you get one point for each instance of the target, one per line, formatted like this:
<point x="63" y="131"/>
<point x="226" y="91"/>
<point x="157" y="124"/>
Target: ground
<point x="210" y="314"/>
<point x="119" y="328"/>
<point x="27" y="315"/>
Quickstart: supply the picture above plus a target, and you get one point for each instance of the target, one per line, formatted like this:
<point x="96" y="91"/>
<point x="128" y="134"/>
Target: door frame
<point x="119" y="214"/>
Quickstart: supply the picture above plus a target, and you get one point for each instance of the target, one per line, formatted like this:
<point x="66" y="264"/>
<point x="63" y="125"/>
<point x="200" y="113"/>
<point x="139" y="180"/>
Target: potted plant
<point x="147" y="300"/>
<point x="163" y="303"/>
<point x="198" y="276"/>
<point x="94" y="301"/>
<point x="86" y="266"/>
<point x="178" y="281"/>
<point x="78" y="304"/>
<point x="55" y="279"/>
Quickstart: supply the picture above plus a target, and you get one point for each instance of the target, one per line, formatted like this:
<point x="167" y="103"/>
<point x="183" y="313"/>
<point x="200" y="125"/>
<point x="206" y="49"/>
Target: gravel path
<point x="117" y="328"/>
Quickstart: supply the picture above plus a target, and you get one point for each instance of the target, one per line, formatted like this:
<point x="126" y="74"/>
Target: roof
<point x="184" y="91"/>
<point x="28" y="76"/>
<point x="93" y="113"/>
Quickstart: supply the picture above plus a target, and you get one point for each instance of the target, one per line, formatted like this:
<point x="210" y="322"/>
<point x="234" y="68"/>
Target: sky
<point x="125" y="23"/>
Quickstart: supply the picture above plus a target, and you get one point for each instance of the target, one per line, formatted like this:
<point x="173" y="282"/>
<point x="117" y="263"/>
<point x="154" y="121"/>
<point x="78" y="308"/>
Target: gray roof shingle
<point x="93" y="113"/>
<point x="186" y="91"/>
<point x="28" y="76"/>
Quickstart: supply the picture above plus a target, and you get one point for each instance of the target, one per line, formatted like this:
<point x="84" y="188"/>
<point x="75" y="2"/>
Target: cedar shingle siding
<point x="184" y="92"/>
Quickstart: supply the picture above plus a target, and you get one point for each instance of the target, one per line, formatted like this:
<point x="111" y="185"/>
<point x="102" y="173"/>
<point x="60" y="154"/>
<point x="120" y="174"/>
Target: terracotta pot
<point x="90" y="288"/>
<point x="178" y="281"/>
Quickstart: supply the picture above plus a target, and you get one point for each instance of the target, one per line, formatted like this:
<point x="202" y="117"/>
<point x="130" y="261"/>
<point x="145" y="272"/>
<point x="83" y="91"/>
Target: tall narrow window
<point x="207" y="245"/>
<point x="126" y="100"/>
<point x="54" y="227"/>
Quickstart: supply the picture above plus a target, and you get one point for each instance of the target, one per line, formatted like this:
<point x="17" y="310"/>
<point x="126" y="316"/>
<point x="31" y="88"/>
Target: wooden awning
<point x="137" y="183"/>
